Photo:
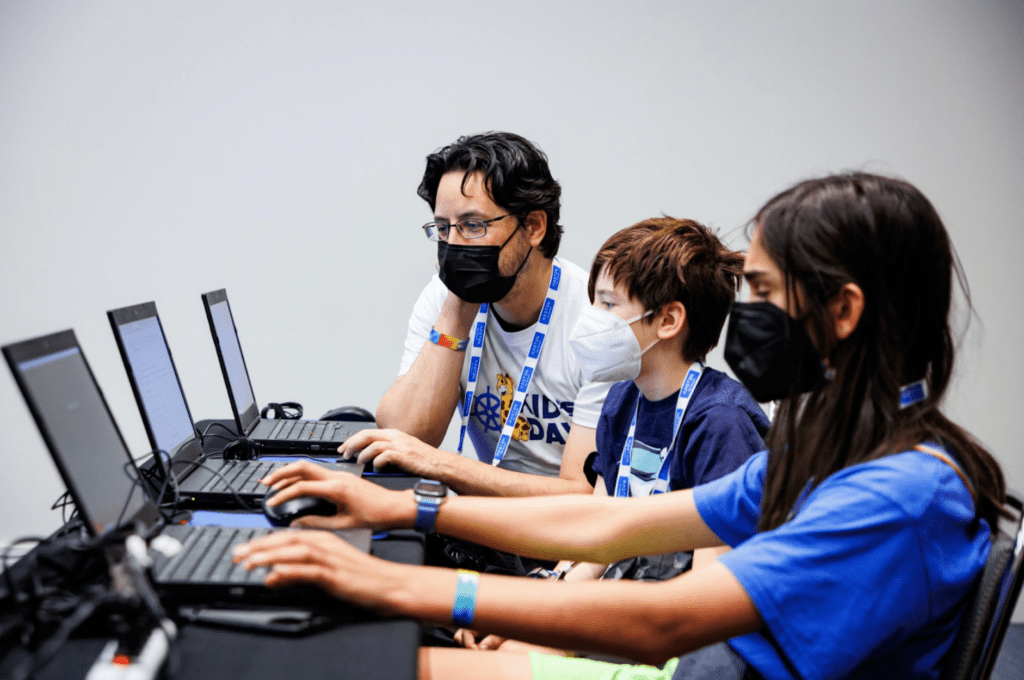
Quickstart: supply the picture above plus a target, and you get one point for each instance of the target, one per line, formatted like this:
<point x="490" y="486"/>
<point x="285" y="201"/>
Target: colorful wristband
<point x="439" y="338"/>
<point x="465" y="598"/>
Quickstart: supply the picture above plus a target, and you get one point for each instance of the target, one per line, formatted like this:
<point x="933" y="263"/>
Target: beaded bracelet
<point x="465" y="598"/>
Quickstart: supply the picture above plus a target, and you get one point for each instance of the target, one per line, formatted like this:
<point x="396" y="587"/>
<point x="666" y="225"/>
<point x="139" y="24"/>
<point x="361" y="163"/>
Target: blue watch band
<point x="426" y="516"/>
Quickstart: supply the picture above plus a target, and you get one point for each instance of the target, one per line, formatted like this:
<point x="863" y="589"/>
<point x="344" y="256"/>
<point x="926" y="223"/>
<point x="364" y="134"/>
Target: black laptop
<point x="294" y="436"/>
<point x="157" y="387"/>
<point x="87" y="447"/>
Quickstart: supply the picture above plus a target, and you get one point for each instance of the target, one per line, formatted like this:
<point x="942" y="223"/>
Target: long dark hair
<point x="883" y="235"/>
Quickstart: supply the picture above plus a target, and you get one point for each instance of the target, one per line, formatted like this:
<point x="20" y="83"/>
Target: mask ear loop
<point x="637" y="318"/>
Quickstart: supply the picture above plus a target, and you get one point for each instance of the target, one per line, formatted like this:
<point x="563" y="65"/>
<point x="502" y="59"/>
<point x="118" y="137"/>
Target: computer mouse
<point x="282" y="514"/>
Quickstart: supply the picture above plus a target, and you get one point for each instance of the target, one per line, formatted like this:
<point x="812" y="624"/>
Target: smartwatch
<point x="429" y="495"/>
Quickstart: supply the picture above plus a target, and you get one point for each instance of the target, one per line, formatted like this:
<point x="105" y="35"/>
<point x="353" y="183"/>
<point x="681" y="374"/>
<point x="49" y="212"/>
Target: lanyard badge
<point x="626" y="461"/>
<point x="525" y="378"/>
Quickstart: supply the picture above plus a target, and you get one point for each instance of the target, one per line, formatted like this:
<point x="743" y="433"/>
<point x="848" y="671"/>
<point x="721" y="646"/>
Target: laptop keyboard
<point x="306" y="430"/>
<point x="206" y="556"/>
<point x="242" y="475"/>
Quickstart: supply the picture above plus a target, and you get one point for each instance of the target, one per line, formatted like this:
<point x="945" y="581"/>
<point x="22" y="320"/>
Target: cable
<point x="234" y="492"/>
<point x="206" y="433"/>
<point x="53" y="644"/>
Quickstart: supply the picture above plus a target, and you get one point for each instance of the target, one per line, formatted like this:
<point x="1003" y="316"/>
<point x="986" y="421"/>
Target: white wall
<point x="154" y="151"/>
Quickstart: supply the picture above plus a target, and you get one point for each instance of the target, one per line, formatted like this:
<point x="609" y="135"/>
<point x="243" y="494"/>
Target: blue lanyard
<point x="626" y="461"/>
<point x="525" y="378"/>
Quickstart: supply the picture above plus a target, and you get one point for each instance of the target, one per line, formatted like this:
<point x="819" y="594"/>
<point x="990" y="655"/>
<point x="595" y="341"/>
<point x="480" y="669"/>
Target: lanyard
<point x="525" y="378"/>
<point x="625" y="462"/>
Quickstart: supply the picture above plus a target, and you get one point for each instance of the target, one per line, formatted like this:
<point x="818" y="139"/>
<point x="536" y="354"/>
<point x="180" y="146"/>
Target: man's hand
<point x="382" y="447"/>
<point x="360" y="503"/>
<point x="322" y="559"/>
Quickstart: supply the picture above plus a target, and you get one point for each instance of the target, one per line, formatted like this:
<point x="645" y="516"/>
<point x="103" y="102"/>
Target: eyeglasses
<point x="468" y="229"/>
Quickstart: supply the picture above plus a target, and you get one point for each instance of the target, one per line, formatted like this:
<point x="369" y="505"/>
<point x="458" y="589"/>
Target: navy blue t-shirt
<point x="722" y="428"/>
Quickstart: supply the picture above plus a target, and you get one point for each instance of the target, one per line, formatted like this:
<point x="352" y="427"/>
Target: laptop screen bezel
<point x="245" y="421"/>
<point x="191" y="449"/>
<point x="27" y="350"/>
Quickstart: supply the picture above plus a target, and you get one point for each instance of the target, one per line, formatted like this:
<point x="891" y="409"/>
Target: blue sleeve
<point x="858" y="575"/>
<point x="731" y="505"/>
<point x="716" y="443"/>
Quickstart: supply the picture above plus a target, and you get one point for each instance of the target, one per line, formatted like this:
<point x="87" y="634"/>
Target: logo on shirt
<point x="539" y="419"/>
<point x="507" y="393"/>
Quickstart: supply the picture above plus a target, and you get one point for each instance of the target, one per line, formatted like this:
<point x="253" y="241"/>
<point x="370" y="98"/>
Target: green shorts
<point x="546" y="667"/>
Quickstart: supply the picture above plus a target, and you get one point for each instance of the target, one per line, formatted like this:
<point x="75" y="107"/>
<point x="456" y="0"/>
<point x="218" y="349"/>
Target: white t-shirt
<point x="558" y="396"/>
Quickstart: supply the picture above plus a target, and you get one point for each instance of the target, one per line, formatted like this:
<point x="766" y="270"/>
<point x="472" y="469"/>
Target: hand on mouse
<point x="360" y="503"/>
<point x="383" y="447"/>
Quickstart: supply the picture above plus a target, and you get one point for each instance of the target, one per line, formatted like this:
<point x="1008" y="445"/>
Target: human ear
<point x="671" y="319"/>
<point x="845" y="309"/>
<point x="536" y="225"/>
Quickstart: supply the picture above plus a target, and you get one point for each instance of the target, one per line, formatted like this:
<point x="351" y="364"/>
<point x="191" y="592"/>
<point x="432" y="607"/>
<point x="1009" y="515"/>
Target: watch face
<point x="428" y="487"/>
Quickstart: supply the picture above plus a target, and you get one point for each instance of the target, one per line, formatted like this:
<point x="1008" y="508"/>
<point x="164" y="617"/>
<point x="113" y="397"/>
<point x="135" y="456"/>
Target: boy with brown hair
<point x="660" y="291"/>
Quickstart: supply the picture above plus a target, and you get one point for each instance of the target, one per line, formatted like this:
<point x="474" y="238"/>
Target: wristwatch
<point x="429" y="495"/>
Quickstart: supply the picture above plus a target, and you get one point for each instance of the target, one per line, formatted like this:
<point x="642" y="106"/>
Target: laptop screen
<point x="231" y="355"/>
<point x="157" y="383"/>
<point x="82" y="437"/>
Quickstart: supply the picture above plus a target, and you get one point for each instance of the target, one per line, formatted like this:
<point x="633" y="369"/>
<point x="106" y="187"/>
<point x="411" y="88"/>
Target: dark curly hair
<point x="515" y="172"/>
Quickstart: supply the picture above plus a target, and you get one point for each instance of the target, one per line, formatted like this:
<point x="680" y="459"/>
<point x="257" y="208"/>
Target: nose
<point x="455" y="237"/>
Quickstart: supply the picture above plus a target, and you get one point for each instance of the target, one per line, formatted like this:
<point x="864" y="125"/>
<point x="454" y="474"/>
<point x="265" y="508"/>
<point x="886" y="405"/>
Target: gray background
<point x="154" y="151"/>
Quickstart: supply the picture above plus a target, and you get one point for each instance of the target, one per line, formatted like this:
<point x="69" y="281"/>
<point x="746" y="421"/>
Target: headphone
<point x="288" y="410"/>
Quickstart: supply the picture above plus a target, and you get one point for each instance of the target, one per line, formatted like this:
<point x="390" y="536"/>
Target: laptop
<point x="91" y="456"/>
<point x="157" y="387"/>
<point x="291" y="436"/>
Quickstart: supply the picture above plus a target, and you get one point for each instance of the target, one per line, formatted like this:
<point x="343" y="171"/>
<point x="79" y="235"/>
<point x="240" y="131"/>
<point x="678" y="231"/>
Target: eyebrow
<point x="462" y="217"/>
<point x="753" y="276"/>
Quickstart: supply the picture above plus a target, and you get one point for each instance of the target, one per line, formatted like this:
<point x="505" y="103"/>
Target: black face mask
<point x="771" y="353"/>
<point x="471" y="272"/>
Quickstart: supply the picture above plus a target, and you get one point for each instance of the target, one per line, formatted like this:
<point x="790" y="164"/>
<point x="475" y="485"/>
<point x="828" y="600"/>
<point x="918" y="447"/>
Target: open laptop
<point x="157" y="387"/>
<point x="87" y="447"/>
<point x="281" y="435"/>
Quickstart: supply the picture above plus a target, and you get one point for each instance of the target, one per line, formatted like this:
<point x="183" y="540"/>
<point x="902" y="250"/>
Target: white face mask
<point x="606" y="346"/>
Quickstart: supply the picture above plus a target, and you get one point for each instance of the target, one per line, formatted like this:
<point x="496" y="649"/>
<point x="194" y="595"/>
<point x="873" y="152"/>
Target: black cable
<point x="53" y="644"/>
<point x="234" y="492"/>
<point x="8" y="579"/>
<point x="62" y="502"/>
<point x="206" y="433"/>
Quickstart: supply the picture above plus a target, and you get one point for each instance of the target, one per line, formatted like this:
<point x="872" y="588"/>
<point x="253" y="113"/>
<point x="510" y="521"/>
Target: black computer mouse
<point x="282" y="514"/>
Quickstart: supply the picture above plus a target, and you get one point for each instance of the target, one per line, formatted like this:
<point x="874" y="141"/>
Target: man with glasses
<point x="489" y="334"/>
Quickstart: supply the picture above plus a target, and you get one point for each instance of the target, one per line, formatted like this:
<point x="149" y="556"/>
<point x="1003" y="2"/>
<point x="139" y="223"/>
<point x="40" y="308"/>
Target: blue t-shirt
<point x="722" y="427"/>
<point x="867" y="580"/>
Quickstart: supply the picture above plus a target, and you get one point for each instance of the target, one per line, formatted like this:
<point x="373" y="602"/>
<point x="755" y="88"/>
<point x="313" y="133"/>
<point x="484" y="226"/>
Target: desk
<point x="368" y="649"/>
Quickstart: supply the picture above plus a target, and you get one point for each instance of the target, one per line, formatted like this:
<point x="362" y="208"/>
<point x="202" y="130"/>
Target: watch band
<point x="426" y="515"/>
<point x="444" y="340"/>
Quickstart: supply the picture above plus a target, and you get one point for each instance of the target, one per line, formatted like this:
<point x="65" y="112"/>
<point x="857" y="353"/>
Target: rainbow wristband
<point x="439" y="338"/>
<point x="465" y="598"/>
